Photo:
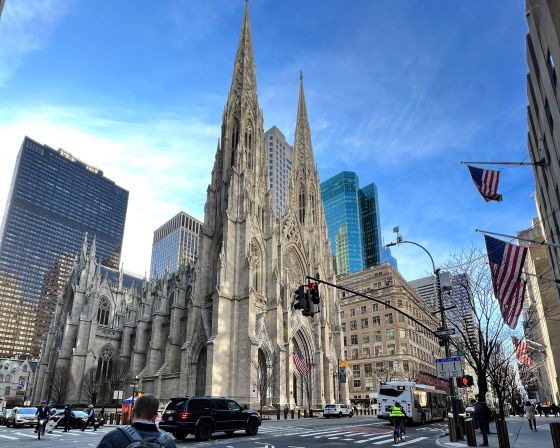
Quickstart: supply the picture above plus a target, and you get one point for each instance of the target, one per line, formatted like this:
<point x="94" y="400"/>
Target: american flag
<point x="486" y="182"/>
<point x="299" y="362"/>
<point x="506" y="261"/>
<point x="522" y="351"/>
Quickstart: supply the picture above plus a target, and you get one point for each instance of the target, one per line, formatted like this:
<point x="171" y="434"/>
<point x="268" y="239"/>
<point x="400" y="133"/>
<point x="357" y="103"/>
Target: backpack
<point x="136" y="440"/>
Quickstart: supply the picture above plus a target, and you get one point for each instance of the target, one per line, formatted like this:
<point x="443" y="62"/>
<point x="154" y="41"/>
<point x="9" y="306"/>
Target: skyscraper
<point x="279" y="166"/>
<point x="1" y="7"/>
<point x="353" y="220"/>
<point x="175" y="244"/>
<point x="54" y="200"/>
<point x="543" y="116"/>
<point x="387" y="257"/>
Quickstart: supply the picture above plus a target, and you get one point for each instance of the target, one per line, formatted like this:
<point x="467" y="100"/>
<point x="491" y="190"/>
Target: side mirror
<point x="245" y="407"/>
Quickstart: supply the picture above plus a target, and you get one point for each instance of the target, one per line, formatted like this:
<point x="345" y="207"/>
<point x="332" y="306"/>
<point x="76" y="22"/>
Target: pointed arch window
<point x="302" y="204"/>
<point x="104" y="311"/>
<point x="105" y="362"/>
<point x="313" y="204"/>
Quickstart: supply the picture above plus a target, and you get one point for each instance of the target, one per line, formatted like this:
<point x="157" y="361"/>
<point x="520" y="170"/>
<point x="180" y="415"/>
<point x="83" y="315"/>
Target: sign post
<point x="117" y="395"/>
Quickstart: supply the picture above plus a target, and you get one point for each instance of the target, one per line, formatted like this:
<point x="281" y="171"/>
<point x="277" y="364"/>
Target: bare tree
<point x="62" y="385"/>
<point x="119" y="377"/>
<point x="90" y="387"/>
<point x="502" y="374"/>
<point x="262" y="377"/>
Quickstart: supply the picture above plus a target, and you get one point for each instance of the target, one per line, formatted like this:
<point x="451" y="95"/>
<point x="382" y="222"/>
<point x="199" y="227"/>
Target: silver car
<point x="22" y="417"/>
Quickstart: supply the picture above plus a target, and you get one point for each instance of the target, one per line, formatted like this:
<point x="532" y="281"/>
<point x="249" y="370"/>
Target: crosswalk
<point x="358" y="436"/>
<point x="11" y="434"/>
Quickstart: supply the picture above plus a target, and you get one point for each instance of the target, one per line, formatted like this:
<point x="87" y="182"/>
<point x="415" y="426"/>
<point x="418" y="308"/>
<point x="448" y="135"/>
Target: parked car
<point x="22" y="417"/>
<point x="7" y="415"/>
<point x="203" y="416"/>
<point x="337" y="410"/>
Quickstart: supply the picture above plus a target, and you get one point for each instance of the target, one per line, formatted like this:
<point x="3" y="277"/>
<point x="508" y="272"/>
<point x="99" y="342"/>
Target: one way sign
<point x="449" y="367"/>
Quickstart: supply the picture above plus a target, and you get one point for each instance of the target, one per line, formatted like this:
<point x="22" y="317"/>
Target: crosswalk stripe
<point x="374" y="438"/>
<point x="25" y="435"/>
<point x="9" y="437"/>
<point x="382" y="442"/>
<point x="315" y="433"/>
<point x="333" y="433"/>
<point x="408" y="442"/>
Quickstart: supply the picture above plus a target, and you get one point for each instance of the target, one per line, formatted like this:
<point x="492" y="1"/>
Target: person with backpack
<point x="143" y="433"/>
<point x="483" y="415"/>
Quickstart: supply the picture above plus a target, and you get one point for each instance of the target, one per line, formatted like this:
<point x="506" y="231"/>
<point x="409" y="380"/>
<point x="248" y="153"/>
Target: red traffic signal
<point x="313" y="289"/>
<point x="465" y="381"/>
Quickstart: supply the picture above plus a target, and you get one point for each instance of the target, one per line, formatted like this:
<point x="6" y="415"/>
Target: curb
<point x="453" y="444"/>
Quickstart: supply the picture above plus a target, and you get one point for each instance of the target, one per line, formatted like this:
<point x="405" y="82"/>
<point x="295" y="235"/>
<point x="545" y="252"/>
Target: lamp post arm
<point x="425" y="250"/>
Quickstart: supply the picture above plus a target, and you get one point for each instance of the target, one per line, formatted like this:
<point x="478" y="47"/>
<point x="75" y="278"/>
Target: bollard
<point x="555" y="432"/>
<point x="305" y="413"/>
<point x="111" y="417"/>
<point x="298" y="413"/>
<point x="293" y="412"/>
<point x="310" y="412"/>
<point x="451" y="428"/>
<point x="278" y="414"/>
<point x="285" y="413"/>
<point x="503" y="437"/>
<point x="469" y="431"/>
<point x="118" y="419"/>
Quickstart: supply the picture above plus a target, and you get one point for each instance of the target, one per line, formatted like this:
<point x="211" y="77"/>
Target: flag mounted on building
<point x="522" y="352"/>
<point x="486" y="182"/>
<point x="506" y="262"/>
<point x="299" y="362"/>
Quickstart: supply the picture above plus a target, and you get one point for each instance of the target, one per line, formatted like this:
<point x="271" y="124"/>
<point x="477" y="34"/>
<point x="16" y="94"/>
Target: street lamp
<point x="442" y="309"/>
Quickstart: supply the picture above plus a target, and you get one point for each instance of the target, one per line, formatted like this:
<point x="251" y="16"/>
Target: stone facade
<point x="224" y="326"/>
<point x="16" y="380"/>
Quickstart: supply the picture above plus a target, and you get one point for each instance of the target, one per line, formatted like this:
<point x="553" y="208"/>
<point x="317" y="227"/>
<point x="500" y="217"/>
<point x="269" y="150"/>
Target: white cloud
<point x="26" y="26"/>
<point x="164" y="162"/>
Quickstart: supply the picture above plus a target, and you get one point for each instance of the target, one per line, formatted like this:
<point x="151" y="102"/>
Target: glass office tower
<point x="54" y="201"/>
<point x="342" y="209"/>
<point x="175" y="244"/>
<point x="353" y="222"/>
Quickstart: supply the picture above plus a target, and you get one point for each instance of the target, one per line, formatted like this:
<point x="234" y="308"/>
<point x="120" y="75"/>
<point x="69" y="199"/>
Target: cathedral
<point x="224" y="325"/>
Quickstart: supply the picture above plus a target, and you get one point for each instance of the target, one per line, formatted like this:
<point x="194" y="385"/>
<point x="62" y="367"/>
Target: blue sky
<point x="398" y="91"/>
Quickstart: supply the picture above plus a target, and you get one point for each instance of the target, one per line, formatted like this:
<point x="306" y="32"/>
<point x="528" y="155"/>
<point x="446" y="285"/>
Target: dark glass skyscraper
<point x="54" y="201"/>
<point x="352" y="215"/>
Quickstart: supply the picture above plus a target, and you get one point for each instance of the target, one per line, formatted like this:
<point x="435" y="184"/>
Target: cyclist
<point x="43" y="413"/>
<point x="398" y="416"/>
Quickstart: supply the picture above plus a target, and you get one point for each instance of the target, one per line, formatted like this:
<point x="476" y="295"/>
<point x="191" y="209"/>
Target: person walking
<point x="67" y="417"/>
<point x="90" y="418"/>
<point x="102" y="416"/>
<point x="143" y="428"/>
<point x="539" y="409"/>
<point x="554" y="409"/>
<point x="482" y="415"/>
<point x="531" y="417"/>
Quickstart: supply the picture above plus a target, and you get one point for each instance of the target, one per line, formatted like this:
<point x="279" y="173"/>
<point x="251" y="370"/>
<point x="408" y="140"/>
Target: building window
<point x="406" y="368"/>
<point x="354" y="339"/>
<point x="365" y="338"/>
<point x="404" y="349"/>
<point x="357" y="384"/>
<point x="103" y="311"/>
<point x="365" y="352"/>
<point x="353" y="325"/>
<point x="363" y="309"/>
<point x="402" y="333"/>
<point x="105" y="362"/>
<point x="302" y="204"/>
<point x="375" y="321"/>
<point x="8" y="378"/>
<point x="352" y="312"/>
<point x="343" y="326"/>
<point x="355" y="354"/>
<point x="375" y="307"/>
<point x="342" y="314"/>
<point x="7" y="391"/>
<point x="356" y="371"/>
<point x="391" y="349"/>
<point x="378" y="351"/>
<point x="345" y="341"/>
<point x="377" y="336"/>
<point x="389" y="318"/>
<point x="402" y="318"/>
<point x="551" y="70"/>
<point x="387" y="303"/>
<point x="390" y="335"/>
<point x="369" y="385"/>
<point x="365" y="323"/>
<point x="368" y="371"/>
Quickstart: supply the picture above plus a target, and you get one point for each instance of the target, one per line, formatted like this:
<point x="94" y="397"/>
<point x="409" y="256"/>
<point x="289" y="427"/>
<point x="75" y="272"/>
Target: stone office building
<point x="380" y="343"/>
<point x="226" y="325"/>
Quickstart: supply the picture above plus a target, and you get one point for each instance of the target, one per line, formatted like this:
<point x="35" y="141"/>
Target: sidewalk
<point x="520" y="435"/>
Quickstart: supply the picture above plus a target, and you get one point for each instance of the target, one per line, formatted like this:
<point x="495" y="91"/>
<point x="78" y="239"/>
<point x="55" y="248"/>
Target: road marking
<point x="24" y="434"/>
<point x="408" y="442"/>
<point x="332" y="433"/>
<point x="387" y="434"/>
<point x="9" y="437"/>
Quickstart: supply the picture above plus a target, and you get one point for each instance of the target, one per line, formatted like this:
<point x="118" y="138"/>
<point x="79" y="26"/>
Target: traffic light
<point x="465" y="381"/>
<point x="300" y="298"/>
<point x="313" y="290"/>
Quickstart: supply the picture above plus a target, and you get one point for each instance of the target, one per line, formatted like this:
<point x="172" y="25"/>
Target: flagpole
<point x="541" y="243"/>
<point x="541" y="162"/>
<point x="540" y="277"/>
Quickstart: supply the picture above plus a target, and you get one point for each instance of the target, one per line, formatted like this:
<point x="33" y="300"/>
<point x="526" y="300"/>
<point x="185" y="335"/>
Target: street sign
<point x="117" y="395"/>
<point x="447" y="332"/>
<point x="344" y="364"/>
<point x="449" y="367"/>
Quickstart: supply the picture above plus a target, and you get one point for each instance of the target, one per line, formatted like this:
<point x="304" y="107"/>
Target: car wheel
<point x="252" y="427"/>
<point x="229" y="433"/>
<point x="327" y="416"/>
<point x="203" y="431"/>
<point x="180" y="435"/>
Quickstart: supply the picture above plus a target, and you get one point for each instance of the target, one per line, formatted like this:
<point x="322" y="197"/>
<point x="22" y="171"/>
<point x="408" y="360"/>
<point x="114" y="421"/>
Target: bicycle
<point x="40" y="427"/>
<point x="399" y="434"/>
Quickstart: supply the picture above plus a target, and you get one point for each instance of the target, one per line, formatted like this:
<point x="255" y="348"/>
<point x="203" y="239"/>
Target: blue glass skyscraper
<point x="54" y="201"/>
<point x="352" y="216"/>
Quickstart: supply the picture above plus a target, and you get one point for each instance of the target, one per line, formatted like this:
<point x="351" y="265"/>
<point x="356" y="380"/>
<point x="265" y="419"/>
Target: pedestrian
<point x="90" y="418"/>
<point x="555" y="409"/>
<point x="530" y="413"/>
<point x="102" y="415"/>
<point x="483" y="415"/>
<point x="546" y="410"/>
<point x="67" y="418"/>
<point x="539" y="409"/>
<point x="143" y="428"/>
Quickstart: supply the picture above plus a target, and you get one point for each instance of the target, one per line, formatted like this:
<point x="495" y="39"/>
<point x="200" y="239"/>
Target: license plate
<point x="170" y="418"/>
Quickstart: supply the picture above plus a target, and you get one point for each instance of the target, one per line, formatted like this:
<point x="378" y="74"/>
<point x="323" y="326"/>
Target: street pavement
<point x="520" y="436"/>
<point x="359" y="431"/>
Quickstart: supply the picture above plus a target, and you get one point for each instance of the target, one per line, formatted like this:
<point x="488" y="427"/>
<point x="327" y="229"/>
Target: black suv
<point x="203" y="416"/>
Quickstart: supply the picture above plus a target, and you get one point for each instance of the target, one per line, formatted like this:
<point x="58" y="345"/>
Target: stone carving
<point x="253" y="256"/>
<point x="294" y="272"/>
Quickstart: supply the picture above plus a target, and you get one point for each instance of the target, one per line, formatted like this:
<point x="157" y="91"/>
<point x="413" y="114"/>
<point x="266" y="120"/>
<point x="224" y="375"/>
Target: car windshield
<point x="330" y="406"/>
<point x="27" y="411"/>
<point x="80" y="414"/>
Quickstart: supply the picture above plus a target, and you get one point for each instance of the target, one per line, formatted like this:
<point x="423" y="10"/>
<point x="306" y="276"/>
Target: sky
<point x="398" y="91"/>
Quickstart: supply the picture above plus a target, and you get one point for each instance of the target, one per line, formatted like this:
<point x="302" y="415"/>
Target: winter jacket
<point x="530" y="411"/>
